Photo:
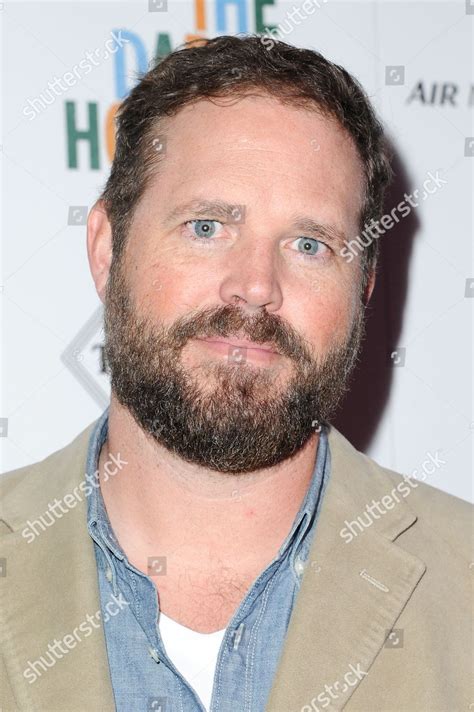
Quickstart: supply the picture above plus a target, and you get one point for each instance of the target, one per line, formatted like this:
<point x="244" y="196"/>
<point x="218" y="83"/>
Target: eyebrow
<point x="221" y="210"/>
<point x="200" y="209"/>
<point x="308" y="226"/>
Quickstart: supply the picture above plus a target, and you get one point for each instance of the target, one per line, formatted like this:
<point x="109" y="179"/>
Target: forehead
<point x="258" y="151"/>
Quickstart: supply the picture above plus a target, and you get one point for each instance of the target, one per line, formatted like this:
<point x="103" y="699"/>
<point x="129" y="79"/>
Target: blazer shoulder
<point x="451" y="515"/>
<point x="441" y="515"/>
<point x="432" y="498"/>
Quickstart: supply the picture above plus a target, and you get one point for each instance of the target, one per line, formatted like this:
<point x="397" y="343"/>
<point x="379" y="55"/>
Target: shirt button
<point x="299" y="566"/>
<point x="154" y="654"/>
<point x="108" y="573"/>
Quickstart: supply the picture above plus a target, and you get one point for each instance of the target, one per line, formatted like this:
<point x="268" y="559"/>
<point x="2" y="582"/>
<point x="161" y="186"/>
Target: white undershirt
<point x="194" y="654"/>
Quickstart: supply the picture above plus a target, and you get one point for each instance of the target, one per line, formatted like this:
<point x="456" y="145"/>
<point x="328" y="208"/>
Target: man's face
<point x="249" y="271"/>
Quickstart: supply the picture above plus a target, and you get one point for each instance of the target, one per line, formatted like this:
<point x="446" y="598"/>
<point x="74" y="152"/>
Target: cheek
<point x="325" y="315"/>
<point x="167" y="291"/>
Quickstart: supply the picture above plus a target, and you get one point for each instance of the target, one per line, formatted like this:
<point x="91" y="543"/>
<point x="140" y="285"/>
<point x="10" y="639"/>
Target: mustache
<point x="229" y="320"/>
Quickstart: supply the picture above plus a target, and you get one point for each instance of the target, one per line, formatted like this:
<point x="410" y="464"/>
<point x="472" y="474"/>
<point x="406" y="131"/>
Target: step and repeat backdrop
<point x="66" y="66"/>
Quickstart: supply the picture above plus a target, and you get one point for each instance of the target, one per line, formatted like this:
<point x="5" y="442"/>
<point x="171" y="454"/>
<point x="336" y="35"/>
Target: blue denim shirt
<point x="143" y="677"/>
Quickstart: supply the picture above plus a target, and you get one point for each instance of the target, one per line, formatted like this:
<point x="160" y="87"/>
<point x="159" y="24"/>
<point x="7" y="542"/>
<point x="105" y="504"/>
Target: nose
<point x="252" y="277"/>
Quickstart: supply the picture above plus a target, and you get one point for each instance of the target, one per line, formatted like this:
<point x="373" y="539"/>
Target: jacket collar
<point x="351" y="593"/>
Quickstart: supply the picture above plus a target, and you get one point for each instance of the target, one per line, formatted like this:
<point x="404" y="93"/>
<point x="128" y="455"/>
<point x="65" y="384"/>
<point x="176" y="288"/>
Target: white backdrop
<point x="412" y="394"/>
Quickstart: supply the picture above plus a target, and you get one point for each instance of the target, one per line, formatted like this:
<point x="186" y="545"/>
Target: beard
<point x="227" y="416"/>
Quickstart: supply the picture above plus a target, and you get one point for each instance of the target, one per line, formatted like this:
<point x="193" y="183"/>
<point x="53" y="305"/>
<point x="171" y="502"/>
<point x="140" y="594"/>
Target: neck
<point x="159" y="504"/>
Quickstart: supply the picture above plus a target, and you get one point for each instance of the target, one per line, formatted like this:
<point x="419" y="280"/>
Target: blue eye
<point x="203" y="228"/>
<point x="310" y="246"/>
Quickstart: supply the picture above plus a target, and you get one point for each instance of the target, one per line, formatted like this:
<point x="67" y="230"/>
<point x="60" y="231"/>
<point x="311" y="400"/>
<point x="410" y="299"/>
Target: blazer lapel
<point x="351" y="593"/>
<point x="49" y="590"/>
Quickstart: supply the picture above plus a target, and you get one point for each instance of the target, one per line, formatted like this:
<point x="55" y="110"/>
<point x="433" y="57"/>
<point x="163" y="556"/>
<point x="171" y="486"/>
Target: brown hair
<point x="235" y="66"/>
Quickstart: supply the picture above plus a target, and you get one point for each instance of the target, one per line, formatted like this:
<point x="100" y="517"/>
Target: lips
<point x="241" y="343"/>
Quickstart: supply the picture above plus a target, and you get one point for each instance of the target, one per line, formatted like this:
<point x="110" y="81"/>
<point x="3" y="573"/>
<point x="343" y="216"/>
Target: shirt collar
<point x="299" y="538"/>
<point x="98" y="522"/>
<point x="100" y="528"/>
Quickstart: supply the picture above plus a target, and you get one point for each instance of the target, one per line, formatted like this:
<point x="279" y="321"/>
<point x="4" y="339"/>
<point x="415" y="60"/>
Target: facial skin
<point x="250" y="280"/>
<point x="187" y="273"/>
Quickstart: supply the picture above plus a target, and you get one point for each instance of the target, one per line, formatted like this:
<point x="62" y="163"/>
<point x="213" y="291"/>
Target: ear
<point x="99" y="246"/>
<point x="369" y="287"/>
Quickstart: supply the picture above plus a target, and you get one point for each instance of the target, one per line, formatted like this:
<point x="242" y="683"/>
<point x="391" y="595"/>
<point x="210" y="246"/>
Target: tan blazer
<point x="410" y="570"/>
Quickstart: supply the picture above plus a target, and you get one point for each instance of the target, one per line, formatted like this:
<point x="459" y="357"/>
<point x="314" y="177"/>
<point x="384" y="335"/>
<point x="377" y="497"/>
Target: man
<point x="200" y="546"/>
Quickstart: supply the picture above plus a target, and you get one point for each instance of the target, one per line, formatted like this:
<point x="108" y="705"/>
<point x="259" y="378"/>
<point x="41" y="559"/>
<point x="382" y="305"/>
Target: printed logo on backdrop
<point x="440" y="94"/>
<point x="84" y="357"/>
<point x="430" y="92"/>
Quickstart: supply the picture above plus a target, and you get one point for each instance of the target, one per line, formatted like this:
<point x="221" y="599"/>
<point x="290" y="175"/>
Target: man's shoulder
<point x="429" y="497"/>
<point x="438" y="513"/>
<point x="33" y="486"/>
<point x="441" y="514"/>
